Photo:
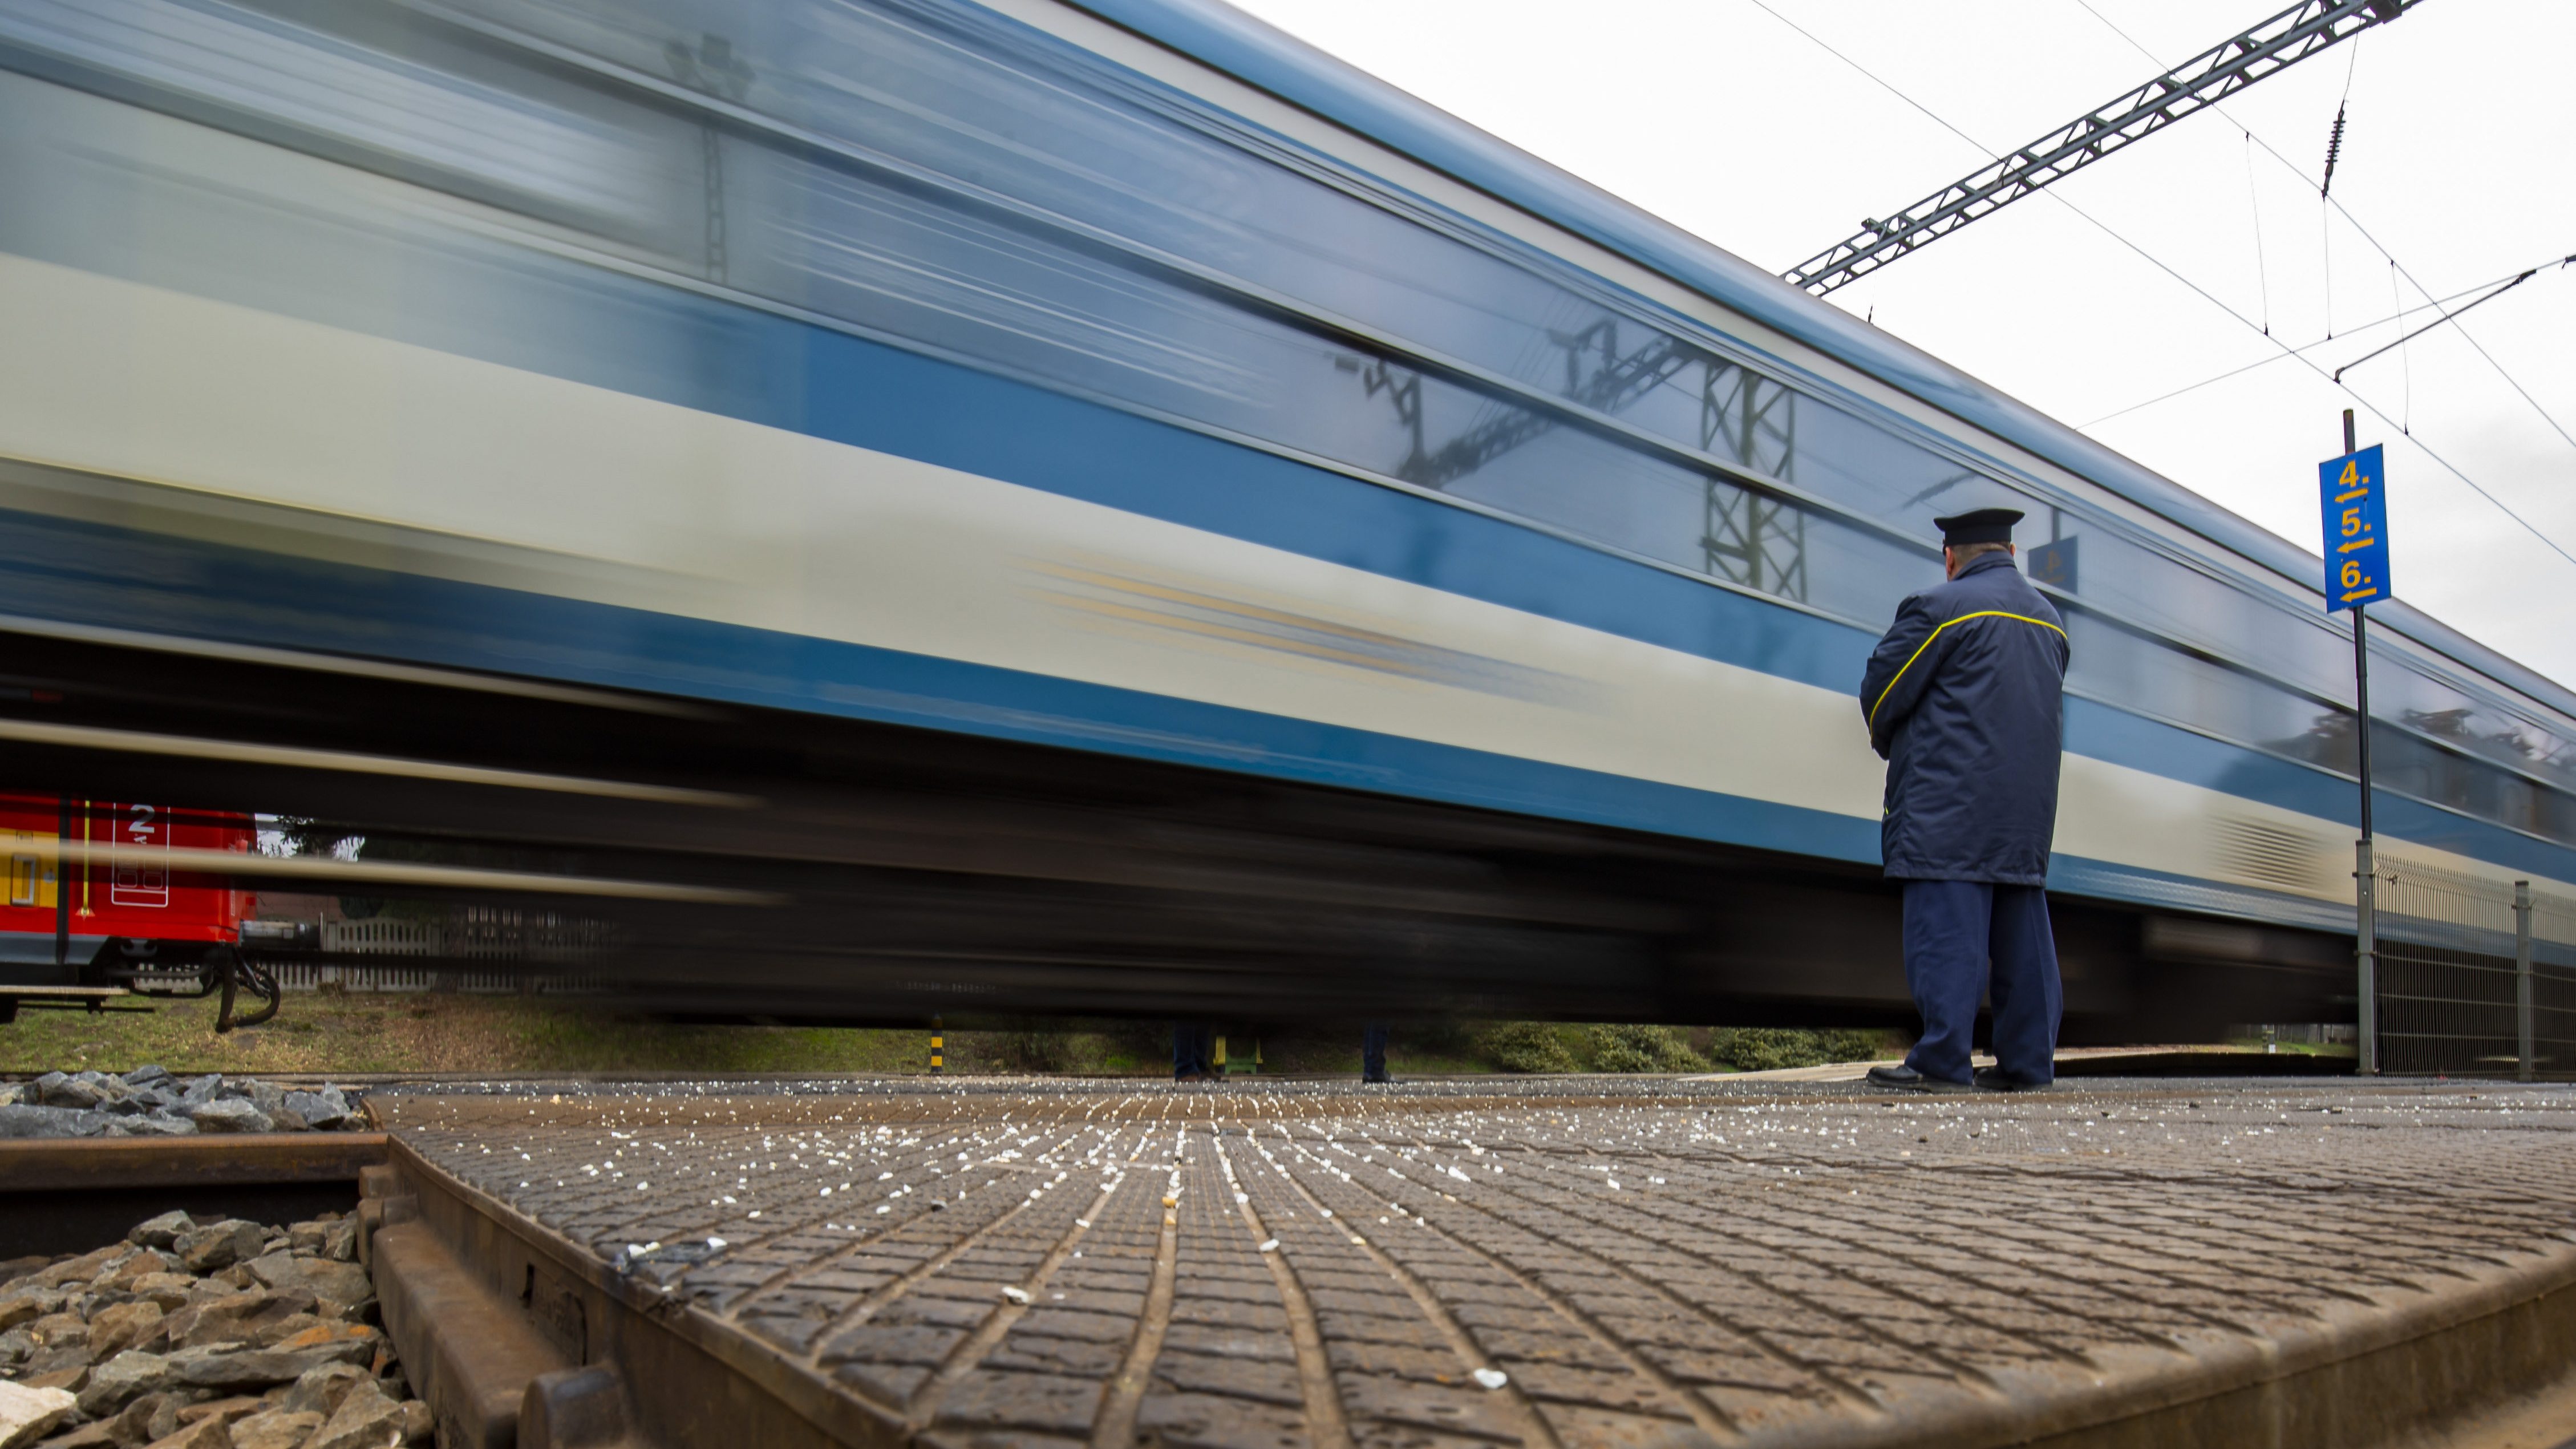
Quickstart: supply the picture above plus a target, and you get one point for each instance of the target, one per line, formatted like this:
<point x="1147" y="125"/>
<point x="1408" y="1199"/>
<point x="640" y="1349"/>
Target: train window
<point x="2467" y="722"/>
<point x="2119" y="666"/>
<point x="509" y="136"/>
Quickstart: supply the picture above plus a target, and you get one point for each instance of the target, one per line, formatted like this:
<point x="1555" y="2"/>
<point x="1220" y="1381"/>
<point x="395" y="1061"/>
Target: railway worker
<point x="1962" y="697"/>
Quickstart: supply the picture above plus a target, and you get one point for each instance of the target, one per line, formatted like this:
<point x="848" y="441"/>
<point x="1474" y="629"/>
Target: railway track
<point x="1545" y="1263"/>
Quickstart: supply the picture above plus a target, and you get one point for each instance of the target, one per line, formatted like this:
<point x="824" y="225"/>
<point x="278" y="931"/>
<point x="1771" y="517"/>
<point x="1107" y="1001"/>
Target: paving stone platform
<point x="1573" y="1263"/>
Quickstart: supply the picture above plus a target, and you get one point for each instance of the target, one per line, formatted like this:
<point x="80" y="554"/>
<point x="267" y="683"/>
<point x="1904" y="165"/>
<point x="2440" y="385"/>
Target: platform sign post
<point x="2353" y="493"/>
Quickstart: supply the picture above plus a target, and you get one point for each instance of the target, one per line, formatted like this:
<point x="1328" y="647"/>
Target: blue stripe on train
<point x="51" y="568"/>
<point x="168" y="584"/>
<point x="2107" y="732"/>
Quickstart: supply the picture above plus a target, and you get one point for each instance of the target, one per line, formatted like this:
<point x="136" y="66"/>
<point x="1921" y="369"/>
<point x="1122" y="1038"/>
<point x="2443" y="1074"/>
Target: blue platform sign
<point x="2354" y="493"/>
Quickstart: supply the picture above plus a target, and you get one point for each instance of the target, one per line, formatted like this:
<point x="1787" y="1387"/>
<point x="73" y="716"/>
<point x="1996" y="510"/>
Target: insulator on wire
<point x="2334" y="151"/>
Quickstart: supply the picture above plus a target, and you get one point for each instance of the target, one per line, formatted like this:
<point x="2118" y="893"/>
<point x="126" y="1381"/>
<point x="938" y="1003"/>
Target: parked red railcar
<point x="112" y="907"/>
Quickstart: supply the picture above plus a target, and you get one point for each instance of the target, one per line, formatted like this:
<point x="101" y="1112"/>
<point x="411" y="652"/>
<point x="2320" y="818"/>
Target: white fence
<point x="391" y="979"/>
<point x="526" y="952"/>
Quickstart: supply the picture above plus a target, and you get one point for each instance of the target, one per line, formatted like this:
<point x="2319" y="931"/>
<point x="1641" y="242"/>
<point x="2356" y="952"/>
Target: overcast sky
<point x="1718" y="116"/>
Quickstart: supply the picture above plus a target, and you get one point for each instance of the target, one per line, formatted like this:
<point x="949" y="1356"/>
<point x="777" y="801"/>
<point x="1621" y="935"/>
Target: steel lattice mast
<point x="2212" y="76"/>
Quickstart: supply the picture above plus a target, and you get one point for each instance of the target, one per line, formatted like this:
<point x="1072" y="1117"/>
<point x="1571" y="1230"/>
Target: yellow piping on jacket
<point x="1935" y="634"/>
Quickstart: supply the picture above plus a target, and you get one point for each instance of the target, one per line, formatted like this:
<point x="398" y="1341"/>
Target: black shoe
<point x="1902" y="1078"/>
<point x="1380" y="1080"/>
<point x="1992" y="1079"/>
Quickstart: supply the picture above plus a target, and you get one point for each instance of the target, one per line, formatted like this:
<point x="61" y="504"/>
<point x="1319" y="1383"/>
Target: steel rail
<point x="230" y="1159"/>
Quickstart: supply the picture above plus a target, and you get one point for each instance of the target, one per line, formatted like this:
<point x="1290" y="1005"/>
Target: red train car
<point x="112" y="905"/>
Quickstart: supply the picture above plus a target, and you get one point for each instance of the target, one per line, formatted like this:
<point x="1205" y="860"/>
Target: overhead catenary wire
<point x="2202" y="292"/>
<point x="2262" y="265"/>
<point x="2354" y="222"/>
<point x="2447" y="318"/>
<point x="2406" y="355"/>
<point x="2400" y="315"/>
<point x="2469" y="337"/>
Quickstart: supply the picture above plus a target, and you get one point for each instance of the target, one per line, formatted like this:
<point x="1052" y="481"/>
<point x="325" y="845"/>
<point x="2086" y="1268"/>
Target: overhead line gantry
<point x="2206" y="79"/>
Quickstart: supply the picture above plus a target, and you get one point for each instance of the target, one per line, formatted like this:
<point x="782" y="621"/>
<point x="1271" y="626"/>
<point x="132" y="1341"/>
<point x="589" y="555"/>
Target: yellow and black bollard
<point x="938" y="1048"/>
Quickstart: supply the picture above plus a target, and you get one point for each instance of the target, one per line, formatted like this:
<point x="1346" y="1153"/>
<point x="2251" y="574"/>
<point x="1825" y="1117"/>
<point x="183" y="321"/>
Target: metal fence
<point x="481" y="949"/>
<point x="366" y="977"/>
<point x="2476" y="978"/>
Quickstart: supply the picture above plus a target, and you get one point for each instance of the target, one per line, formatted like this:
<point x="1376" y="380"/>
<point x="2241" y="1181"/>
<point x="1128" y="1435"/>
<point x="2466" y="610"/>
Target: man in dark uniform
<point x="1963" y="698"/>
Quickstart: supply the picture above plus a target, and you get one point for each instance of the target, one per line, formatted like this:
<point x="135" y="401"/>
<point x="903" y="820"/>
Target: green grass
<point x="326" y="1033"/>
<point x="438" y="1033"/>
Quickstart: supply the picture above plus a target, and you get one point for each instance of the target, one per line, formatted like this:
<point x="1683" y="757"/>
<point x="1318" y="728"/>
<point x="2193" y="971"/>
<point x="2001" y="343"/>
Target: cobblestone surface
<point x="1263" y="1268"/>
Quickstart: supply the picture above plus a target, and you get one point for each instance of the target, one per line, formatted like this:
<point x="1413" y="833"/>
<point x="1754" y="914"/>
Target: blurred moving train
<point x="1034" y="505"/>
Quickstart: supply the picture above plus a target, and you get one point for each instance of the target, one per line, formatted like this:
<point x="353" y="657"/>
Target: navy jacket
<point x="1963" y="700"/>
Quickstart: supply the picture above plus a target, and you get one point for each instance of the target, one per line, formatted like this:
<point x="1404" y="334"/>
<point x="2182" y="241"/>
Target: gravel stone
<point x="220" y="1245"/>
<point x="168" y="1290"/>
<point x="27" y="1415"/>
<point x="247" y="1317"/>
<point x="61" y="1089"/>
<point x="321" y="1110"/>
<point x="150" y="1418"/>
<point x="318" y="1391"/>
<point x="117" y="1382"/>
<point x="230" y="1114"/>
<point x="121" y="1326"/>
<point x="149" y="1102"/>
<point x="366" y="1419"/>
<point x="161" y="1232"/>
<point x="275" y="1429"/>
<point x="148" y="1356"/>
<point x="339" y="1287"/>
<point x="216" y="1366"/>
<point x="26" y="1301"/>
<point x="203" y="1434"/>
<point x="26" y="1121"/>
<point x="155" y="1124"/>
<point x="82" y="1269"/>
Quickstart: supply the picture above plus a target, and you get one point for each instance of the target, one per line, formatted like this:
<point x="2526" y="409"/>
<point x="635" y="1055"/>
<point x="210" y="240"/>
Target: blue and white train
<point x="1128" y="381"/>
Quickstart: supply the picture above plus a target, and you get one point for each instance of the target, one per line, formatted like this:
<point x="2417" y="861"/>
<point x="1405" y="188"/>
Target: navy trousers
<point x="1193" y="1045"/>
<point x="1953" y="930"/>
<point x="1373" y="1052"/>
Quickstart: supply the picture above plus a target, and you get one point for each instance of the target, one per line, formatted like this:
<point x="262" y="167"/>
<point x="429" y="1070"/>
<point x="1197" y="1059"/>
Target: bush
<point x="1641" y="1049"/>
<point x="1526" y="1046"/>
<point x="1768" y="1048"/>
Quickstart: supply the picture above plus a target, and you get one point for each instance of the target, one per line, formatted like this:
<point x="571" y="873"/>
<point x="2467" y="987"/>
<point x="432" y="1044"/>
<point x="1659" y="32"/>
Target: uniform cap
<point x="1984" y="525"/>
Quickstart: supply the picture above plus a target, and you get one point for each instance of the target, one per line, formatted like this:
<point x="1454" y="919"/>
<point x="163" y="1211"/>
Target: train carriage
<point x="1132" y="384"/>
<point x="97" y="898"/>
